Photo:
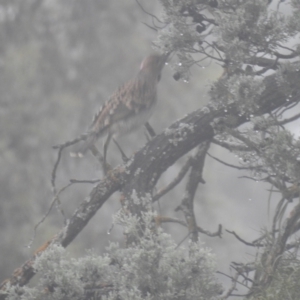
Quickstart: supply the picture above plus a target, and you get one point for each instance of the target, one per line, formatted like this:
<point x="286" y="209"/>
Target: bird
<point x="129" y="107"/>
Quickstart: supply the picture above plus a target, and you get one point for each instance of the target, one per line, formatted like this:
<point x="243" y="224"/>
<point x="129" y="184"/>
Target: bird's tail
<point x="82" y="147"/>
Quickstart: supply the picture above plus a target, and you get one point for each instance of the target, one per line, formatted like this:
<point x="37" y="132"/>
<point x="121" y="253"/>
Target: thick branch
<point x="163" y="151"/>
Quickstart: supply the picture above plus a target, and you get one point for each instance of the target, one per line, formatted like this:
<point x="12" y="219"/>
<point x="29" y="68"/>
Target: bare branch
<point x="234" y="282"/>
<point x="155" y="27"/>
<point x="230" y="147"/>
<point x="230" y="165"/>
<point x="288" y="120"/>
<point x="240" y="137"/>
<point x="161" y="219"/>
<point x="211" y="234"/>
<point x="175" y="181"/>
<point x="187" y="204"/>
<point x="84" y="181"/>
<point x="243" y="241"/>
<point x="53" y="175"/>
<point x="54" y="200"/>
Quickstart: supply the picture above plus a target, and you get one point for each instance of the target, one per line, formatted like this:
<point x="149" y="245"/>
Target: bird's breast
<point x="133" y="122"/>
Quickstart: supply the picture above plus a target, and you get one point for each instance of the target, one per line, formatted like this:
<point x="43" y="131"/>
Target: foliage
<point x="155" y="268"/>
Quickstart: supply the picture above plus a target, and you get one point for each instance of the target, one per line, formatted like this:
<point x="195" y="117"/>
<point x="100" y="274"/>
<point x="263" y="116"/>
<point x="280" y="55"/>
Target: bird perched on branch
<point x="128" y="108"/>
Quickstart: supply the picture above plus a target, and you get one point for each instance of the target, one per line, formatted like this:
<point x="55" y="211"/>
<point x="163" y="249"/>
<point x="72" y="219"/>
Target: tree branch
<point x="175" y="181"/>
<point x="187" y="203"/>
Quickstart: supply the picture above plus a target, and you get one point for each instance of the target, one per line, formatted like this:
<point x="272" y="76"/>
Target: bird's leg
<point x="150" y="130"/>
<point x="97" y="154"/>
<point x="99" y="157"/>
<point x="124" y="157"/>
<point x="105" y="164"/>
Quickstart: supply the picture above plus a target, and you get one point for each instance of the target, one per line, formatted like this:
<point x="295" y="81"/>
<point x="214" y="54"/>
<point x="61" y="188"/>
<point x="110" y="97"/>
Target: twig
<point x="60" y="149"/>
<point x="153" y="16"/>
<point x="54" y="200"/>
<point x="243" y="241"/>
<point x="70" y="143"/>
<point x="84" y="181"/>
<point x="151" y="27"/>
<point x="150" y="130"/>
<point x="233" y="286"/>
<point x="182" y="240"/>
<point x="241" y="269"/>
<point x="240" y="137"/>
<point x="162" y="219"/>
<point x="230" y="165"/>
<point x="124" y="157"/>
<point x="53" y="175"/>
<point x="195" y="177"/>
<point x="252" y="178"/>
<point x="230" y="147"/>
<point x="276" y="215"/>
<point x="288" y="120"/>
<point x="261" y="238"/>
<point x="175" y="181"/>
<point x="211" y="234"/>
<point x="285" y="107"/>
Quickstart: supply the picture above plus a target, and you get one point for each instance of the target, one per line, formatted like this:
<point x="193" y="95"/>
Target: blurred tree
<point x="252" y="109"/>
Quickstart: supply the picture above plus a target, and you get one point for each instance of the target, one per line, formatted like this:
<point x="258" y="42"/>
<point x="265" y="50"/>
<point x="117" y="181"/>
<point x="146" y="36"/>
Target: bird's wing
<point x="125" y="103"/>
